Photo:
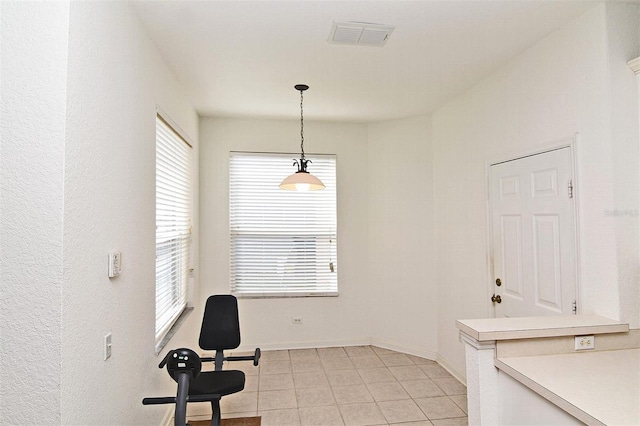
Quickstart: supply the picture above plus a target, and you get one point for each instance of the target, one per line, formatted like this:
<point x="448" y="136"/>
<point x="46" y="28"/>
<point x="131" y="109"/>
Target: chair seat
<point x="217" y="382"/>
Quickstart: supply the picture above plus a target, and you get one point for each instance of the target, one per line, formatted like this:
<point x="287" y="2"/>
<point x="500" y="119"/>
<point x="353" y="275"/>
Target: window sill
<point x="174" y="329"/>
<point x="283" y="295"/>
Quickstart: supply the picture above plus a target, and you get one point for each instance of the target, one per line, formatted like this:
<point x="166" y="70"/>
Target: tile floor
<point x="355" y="385"/>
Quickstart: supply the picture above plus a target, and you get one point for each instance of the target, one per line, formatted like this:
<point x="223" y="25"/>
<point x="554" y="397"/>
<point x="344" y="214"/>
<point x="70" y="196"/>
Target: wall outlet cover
<point x="585" y="342"/>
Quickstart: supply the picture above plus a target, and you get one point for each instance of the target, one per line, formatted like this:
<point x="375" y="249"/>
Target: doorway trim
<point x="570" y="142"/>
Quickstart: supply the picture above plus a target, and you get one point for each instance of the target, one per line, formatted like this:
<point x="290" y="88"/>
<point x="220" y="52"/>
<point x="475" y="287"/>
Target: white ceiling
<point x="242" y="58"/>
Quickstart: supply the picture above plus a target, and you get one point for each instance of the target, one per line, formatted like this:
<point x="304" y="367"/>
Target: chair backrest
<point x="220" y="324"/>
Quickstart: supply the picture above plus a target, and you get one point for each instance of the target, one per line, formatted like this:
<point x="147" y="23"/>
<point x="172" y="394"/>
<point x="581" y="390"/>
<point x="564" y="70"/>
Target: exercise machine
<point x="220" y="331"/>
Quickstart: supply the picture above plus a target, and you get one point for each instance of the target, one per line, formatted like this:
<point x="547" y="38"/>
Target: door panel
<point x="544" y="183"/>
<point x="546" y="258"/>
<point x="510" y="188"/>
<point x="512" y="256"/>
<point x="533" y="223"/>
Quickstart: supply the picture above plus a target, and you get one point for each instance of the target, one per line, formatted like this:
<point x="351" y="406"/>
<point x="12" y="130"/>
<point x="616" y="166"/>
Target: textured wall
<point x="116" y="78"/>
<point x="80" y="86"/>
<point x="33" y="97"/>
<point x="403" y="289"/>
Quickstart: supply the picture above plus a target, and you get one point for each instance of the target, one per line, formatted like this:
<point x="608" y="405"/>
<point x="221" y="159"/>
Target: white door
<point x="533" y="226"/>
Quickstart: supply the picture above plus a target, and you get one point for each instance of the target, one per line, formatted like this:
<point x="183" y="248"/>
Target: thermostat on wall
<point x="115" y="264"/>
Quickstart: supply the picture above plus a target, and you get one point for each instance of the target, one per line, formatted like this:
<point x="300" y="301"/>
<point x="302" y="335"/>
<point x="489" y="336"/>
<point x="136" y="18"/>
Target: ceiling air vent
<point x="359" y="33"/>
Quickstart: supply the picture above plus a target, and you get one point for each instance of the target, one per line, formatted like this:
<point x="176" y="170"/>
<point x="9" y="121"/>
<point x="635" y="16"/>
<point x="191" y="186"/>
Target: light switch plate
<point x="107" y="346"/>
<point x="115" y="263"/>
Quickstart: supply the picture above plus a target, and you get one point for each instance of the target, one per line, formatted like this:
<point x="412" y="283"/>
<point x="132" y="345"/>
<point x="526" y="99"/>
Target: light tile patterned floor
<point x="354" y="385"/>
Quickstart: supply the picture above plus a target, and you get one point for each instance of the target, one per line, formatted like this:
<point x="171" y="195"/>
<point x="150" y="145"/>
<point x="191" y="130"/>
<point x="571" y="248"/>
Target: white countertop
<point x="601" y="387"/>
<point x="532" y="327"/>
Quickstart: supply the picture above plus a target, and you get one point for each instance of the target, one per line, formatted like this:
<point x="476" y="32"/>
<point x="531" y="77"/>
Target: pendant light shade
<point x="301" y="180"/>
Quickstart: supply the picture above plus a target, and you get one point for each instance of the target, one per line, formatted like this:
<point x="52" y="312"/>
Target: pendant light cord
<point x="301" y="127"/>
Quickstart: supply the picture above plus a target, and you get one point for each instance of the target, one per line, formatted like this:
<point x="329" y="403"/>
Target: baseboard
<point x="455" y="373"/>
<point x="167" y="420"/>
<point x="434" y="356"/>
<point x="405" y="349"/>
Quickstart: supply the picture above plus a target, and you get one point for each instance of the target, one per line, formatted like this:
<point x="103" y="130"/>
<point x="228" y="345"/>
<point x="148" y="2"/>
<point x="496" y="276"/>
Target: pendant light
<point x="301" y="180"/>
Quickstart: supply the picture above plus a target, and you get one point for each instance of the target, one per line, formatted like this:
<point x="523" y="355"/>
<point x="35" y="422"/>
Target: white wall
<point x="268" y="322"/>
<point x="385" y="234"/>
<point x="402" y="284"/>
<point x="558" y="87"/>
<point x="33" y="105"/>
<point x="623" y="36"/>
<point x="80" y="86"/>
<point x="115" y="80"/>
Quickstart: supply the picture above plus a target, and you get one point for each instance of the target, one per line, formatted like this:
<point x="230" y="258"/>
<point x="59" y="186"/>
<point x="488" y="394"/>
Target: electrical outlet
<point x="297" y="320"/>
<point x="107" y="346"/>
<point x="585" y="342"/>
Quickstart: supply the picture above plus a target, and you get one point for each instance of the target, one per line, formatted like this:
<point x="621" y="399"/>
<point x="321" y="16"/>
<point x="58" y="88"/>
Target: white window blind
<point x="173" y="225"/>
<point x="283" y="243"/>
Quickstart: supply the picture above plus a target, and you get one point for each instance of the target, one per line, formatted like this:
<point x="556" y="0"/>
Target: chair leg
<point x="215" y="413"/>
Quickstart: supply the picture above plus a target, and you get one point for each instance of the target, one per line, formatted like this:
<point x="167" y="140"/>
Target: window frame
<point x="319" y="282"/>
<point x="165" y="330"/>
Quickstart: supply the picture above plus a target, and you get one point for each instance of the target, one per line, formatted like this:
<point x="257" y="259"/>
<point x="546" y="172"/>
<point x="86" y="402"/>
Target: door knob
<point x="496" y="299"/>
<point x="498" y="282"/>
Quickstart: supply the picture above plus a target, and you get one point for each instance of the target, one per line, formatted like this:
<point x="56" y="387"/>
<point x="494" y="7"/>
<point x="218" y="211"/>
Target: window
<point x="283" y="243"/>
<point x="173" y="226"/>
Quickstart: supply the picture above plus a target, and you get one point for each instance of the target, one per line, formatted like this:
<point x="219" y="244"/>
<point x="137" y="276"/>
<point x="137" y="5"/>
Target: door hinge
<point x="570" y="188"/>
<point x="574" y="308"/>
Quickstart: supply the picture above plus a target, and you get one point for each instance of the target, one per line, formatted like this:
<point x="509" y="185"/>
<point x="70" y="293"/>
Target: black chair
<point x="220" y="331"/>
